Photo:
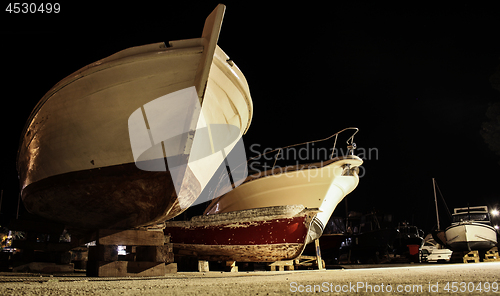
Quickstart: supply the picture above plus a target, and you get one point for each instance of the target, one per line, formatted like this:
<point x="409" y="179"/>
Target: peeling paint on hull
<point x="256" y="235"/>
<point x="244" y="253"/>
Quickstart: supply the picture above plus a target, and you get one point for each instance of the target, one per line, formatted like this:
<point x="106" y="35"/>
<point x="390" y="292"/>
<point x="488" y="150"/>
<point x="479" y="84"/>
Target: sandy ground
<point x="406" y="280"/>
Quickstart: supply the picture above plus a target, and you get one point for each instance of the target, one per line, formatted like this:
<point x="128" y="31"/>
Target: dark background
<point x="413" y="77"/>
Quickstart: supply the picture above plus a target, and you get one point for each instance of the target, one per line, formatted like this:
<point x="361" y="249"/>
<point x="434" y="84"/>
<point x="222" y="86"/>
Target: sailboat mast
<point x="436" y="202"/>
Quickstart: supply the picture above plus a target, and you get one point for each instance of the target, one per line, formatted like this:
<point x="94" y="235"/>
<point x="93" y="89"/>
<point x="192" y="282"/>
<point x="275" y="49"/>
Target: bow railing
<point x="283" y="154"/>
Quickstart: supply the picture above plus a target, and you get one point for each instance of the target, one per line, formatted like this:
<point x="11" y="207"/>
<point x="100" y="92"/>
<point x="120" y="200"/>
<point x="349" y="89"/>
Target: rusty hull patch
<point x="248" y="235"/>
<point x="120" y="197"/>
<point x="245" y="253"/>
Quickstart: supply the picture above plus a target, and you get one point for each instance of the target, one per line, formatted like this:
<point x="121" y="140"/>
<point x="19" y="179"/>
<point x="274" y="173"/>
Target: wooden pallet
<point x="471" y="257"/>
<point x="309" y="261"/>
<point x="492" y="255"/>
<point x="282" y="265"/>
<point x="301" y="261"/>
<point x="148" y="252"/>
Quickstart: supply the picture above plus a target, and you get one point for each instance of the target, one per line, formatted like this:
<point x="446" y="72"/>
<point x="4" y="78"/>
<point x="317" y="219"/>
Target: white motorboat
<point x="319" y="185"/>
<point x="471" y="230"/>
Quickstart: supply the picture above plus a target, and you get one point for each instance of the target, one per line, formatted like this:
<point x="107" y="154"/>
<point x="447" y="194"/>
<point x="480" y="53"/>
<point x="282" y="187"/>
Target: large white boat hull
<point x="466" y="236"/>
<point x="75" y="161"/>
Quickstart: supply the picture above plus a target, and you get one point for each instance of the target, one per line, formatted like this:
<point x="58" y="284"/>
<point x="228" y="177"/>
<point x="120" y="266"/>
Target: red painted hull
<point x="257" y="235"/>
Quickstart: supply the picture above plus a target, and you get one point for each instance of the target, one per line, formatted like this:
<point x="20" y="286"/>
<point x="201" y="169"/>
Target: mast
<point x="436" y="202"/>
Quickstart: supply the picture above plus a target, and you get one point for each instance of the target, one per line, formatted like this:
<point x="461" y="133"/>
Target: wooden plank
<point x="171" y="268"/>
<point x="107" y="253"/>
<point x="282" y="265"/>
<point x="125" y="268"/>
<point x="130" y="237"/>
<point x="103" y="253"/>
<point x="319" y="261"/>
<point x="203" y="266"/>
<point x="155" y="253"/>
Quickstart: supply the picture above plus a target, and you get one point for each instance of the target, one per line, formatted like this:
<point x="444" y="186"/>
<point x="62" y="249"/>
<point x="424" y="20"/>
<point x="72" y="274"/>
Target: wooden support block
<point x="171" y="268"/>
<point x="130" y="237"/>
<point x="203" y="266"/>
<point x="308" y="261"/>
<point x="80" y="254"/>
<point x="125" y="268"/>
<point x="282" y="265"/>
<point x="319" y="261"/>
<point x="492" y="250"/>
<point x="491" y="256"/>
<point x="146" y="255"/>
<point x="471" y="257"/>
<point x="103" y="253"/>
<point x="155" y="253"/>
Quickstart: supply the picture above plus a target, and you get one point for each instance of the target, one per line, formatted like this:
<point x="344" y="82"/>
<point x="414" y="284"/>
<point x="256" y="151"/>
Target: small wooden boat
<point x="471" y="230"/>
<point x="94" y="151"/>
<point x="254" y="235"/>
<point x="319" y="185"/>
<point x="273" y="214"/>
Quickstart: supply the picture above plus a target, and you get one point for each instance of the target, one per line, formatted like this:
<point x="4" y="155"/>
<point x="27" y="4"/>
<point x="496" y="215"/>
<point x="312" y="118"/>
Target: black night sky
<point x="413" y="77"/>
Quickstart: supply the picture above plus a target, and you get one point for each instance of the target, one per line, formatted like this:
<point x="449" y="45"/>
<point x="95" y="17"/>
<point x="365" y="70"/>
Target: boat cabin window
<point x="483" y="217"/>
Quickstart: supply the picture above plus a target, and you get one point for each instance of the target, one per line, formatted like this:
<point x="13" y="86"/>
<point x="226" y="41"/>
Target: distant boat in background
<point x="471" y="230"/>
<point x="407" y="235"/>
<point x="432" y="251"/>
<point x="371" y="240"/>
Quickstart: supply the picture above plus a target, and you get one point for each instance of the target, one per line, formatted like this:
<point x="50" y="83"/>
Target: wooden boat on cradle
<point x="76" y="160"/>
<point x="318" y="187"/>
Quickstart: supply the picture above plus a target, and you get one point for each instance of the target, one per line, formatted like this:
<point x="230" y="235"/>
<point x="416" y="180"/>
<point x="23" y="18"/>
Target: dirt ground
<point x="463" y="279"/>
